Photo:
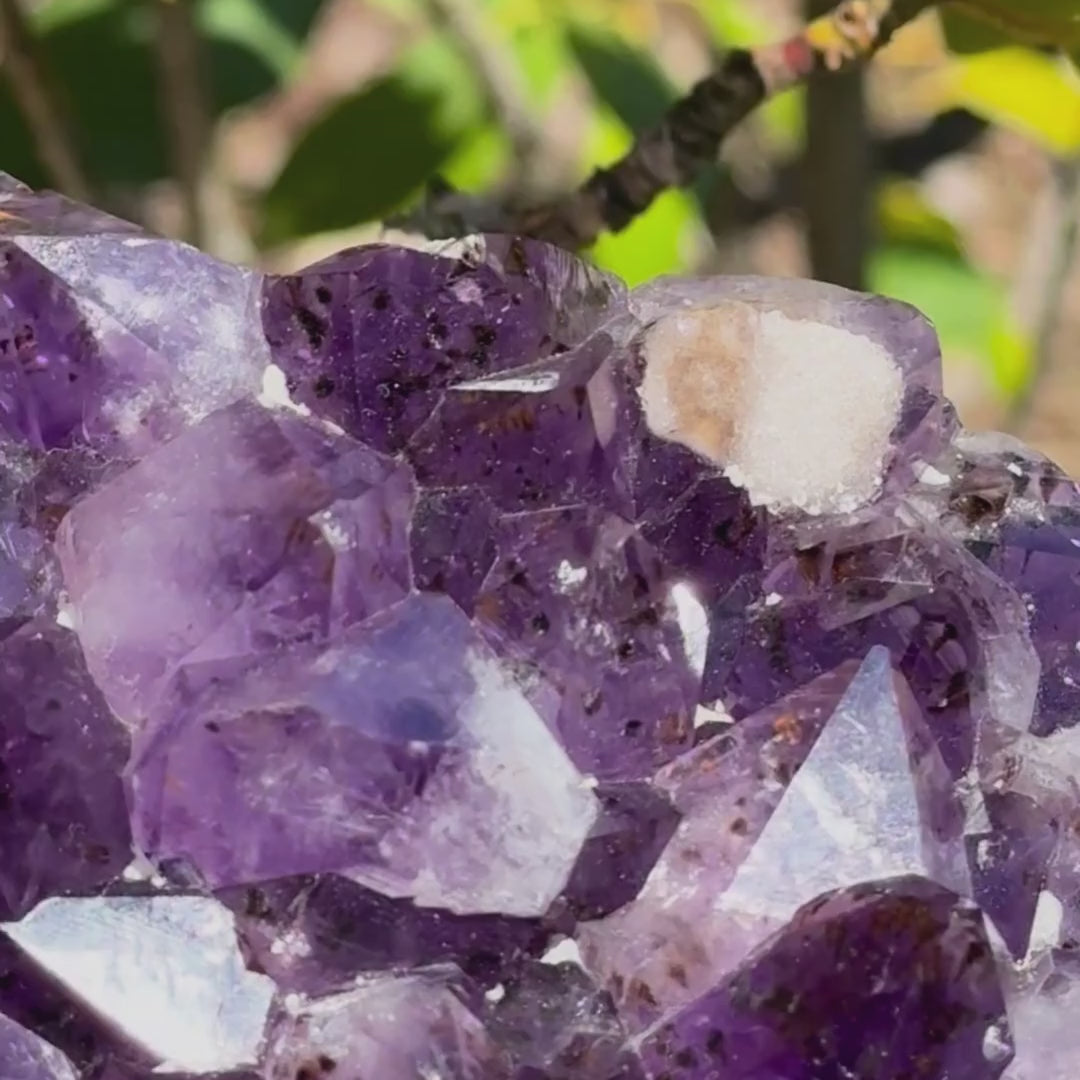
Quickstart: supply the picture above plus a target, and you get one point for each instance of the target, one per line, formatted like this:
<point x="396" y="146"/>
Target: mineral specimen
<point x="443" y="664"/>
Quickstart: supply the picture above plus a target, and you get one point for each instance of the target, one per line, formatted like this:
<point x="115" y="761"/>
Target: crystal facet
<point x="445" y="663"/>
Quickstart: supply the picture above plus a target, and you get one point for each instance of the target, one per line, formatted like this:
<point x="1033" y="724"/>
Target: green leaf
<point x="376" y="148"/>
<point x="733" y="24"/>
<point x="1011" y="355"/>
<point x="1020" y="89"/>
<point x="275" y="37"/>
<point x="969" y="310"/>
<point x="479" y="161"/>
<point x="622" y="77"/>
<point x="1038" y="22"/>
<point x="101" y="55"/>
<point x="907" y="219"/>
<point x="956" y="298"/>
<point x="543" y="58"/>
<point x="663" y="240"/>
<point x="965" y="34"/>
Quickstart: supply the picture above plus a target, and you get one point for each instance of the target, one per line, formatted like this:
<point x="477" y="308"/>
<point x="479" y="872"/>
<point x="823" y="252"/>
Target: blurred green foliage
<point x="373" y="151"/>
<point x="101" y="54"/>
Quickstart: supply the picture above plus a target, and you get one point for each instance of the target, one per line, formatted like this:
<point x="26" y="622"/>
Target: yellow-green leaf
<point x="969" y="310"/>
<point x="906" y="218"/>
<point x="1012" y="355"/>
<point x="965" y="33"/>
<point x="1020" y="89"/>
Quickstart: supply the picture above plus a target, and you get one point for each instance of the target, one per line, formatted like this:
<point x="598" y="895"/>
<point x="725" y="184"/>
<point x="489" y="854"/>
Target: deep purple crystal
<point x="444" y="663"/>
<point x="776" y="1017"/>
<point x="64" y="826"/>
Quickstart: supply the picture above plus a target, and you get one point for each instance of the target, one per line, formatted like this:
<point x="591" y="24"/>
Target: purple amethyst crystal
<point x="373" y="337"/>
<point x="402" y="756"/>
<point x="253" y="529"/>
<point x="25" y="1056"/>
<point x="99" y="343"/>
<point x="444" y="663"/>
<point x="64" y="826"/>
<point x="776" y="1017"/>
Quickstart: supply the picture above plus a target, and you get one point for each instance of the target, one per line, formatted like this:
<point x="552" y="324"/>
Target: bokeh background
<point x="276" y="131"/>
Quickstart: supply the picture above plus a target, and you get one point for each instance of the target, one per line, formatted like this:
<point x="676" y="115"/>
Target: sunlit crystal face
<point x="445" y="665"/>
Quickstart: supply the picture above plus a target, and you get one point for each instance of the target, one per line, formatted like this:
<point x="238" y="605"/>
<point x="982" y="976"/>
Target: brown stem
<point x="690" y="135"/>
<point x="184" y="104"/>
<point x="37" y="101"/>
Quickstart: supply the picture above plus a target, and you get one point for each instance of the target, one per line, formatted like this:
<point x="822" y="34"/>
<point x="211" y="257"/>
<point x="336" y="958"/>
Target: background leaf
<point x="1020" y="89"/>
<point x="969" y="309"/>
<point x="375" y="149"/>
<point x="624" y="78"/>
<point x="965" y="34"/>
<point x="101" y="53"/>
<point x="1041" y="22"/>
<point x="906" y="219"/>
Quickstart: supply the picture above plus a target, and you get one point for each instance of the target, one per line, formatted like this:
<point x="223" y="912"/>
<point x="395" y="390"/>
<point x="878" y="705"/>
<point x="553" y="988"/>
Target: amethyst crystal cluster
<point x="445" y="665"/>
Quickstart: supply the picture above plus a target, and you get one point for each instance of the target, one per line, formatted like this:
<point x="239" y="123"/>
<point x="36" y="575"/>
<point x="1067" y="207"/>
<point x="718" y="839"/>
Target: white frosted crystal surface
<point x="854" y="811"/>
<point x="797" y="412"/>
<point x="1045" y="1034"/>
<point x="165" y="971"/>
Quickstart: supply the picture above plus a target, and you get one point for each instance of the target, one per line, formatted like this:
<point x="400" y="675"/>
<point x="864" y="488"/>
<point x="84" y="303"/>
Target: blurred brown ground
<point x="991" y="193"/>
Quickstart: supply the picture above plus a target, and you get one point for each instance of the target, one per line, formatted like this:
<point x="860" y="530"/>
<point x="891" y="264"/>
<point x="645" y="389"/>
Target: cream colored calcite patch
<point x="798" y="413"/>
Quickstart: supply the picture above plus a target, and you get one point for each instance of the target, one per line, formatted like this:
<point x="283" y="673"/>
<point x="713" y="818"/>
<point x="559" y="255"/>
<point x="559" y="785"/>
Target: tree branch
<point x="690" y="135"/>
<point x="183" y="102"/>
<point x="33" y="92"/>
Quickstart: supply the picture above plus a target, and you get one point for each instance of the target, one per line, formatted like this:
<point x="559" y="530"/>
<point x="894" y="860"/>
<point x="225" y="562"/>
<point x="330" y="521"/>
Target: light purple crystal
<point x="469" y="616"/>
<point x="272" y="531"/>
<point x="402" y="756"/>
<point x="395" y="1027"/>
<point x="111" y="336"/>
<point x="25" y="1056"/>
<point x="580" y="598"/>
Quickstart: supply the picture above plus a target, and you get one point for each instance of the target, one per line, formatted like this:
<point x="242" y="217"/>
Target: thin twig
<point x="1040" y="290"/>
<point x="689" y="136"/>
<point x="38" y="103"/>
<point x="184" y="104"/>
<point x="213" y="219"/>
<point x="504" y="91"/>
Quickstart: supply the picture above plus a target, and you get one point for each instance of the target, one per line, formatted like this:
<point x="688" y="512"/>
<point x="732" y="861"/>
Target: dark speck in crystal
<point x="313" y="325"/>
<point x="415" y="720"/>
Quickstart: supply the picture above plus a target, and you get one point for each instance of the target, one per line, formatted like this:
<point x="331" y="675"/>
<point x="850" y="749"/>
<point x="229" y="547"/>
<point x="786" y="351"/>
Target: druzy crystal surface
<point x="444" y="664"/>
